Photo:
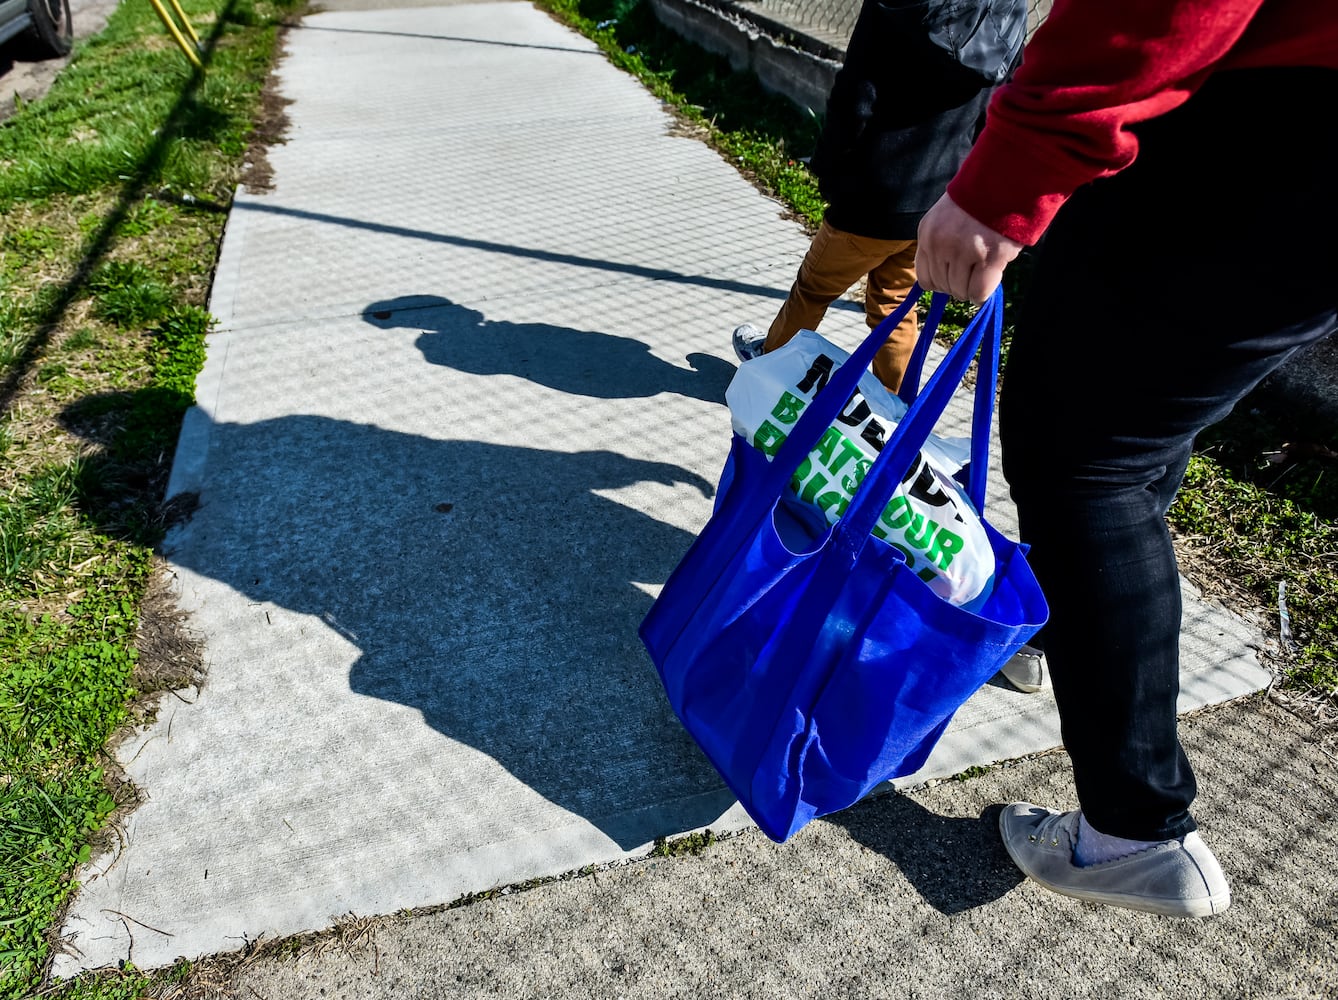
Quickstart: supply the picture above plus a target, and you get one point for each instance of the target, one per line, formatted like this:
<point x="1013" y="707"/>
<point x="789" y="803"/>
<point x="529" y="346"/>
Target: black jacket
<point x="901" y="118"/>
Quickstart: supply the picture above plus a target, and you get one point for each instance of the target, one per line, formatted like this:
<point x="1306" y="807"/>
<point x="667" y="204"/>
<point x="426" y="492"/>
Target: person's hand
<point x="960" y="256"/>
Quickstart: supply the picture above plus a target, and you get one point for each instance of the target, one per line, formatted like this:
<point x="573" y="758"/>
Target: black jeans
<point x="1161" y="296"/>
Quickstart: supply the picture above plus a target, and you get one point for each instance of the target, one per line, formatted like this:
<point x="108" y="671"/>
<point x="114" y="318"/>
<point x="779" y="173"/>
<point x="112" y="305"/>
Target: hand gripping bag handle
<point x="989" y="371"/>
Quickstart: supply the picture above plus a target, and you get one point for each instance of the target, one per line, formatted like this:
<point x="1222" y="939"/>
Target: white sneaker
<point x="1026" y="670"/>
<point x="1176" y="878"/>
<point x="748" y="342"/>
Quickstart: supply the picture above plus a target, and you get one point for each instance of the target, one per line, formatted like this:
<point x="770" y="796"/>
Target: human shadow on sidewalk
<point x="579" y="362"/>
<point x="954" y="863"/>
<point x="488" y="587"/>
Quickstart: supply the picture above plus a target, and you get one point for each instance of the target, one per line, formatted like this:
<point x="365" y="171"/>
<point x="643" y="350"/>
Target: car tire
<point x="52" y="32"/>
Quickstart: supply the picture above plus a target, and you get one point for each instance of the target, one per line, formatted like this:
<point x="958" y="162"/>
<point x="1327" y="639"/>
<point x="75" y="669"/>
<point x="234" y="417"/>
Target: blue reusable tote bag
<point x="808" y="662"/>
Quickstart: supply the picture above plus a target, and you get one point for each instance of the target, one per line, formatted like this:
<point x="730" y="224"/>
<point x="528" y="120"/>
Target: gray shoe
<point x="1177" y="878"/>
<point x="1026" y="670"/>
<point x="748" y="342"/>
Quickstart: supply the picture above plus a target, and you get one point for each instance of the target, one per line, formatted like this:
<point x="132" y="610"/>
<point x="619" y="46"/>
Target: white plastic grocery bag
<point x="929" y="519"/>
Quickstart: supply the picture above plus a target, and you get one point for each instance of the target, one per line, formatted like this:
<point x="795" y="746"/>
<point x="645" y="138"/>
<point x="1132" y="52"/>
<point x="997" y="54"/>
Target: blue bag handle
<point x="910" y="381"/>
<point x="925" y="409"/>
<point x="982" y="415"/>
<point x="724" y="535"/>
<point x="853" y="531"/>
<point x="828" y="401"/>
<point x="913" y="430"/>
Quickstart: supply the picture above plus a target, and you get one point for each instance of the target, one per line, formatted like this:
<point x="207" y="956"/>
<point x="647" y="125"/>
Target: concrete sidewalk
<point x="461" y="417"/>
<point x="910" y="897"/>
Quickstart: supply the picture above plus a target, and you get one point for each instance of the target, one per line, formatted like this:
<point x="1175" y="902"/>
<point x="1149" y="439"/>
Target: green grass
<point x="102" y="123"/>
<point x="128" y="294"/>
<point x="1264" y="514"/>
<point x="107" y="243"/>
<point x="691" y="845"/>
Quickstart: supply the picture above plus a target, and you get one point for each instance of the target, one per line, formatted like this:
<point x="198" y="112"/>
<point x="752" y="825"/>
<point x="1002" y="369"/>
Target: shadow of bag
<point x="807" y="661"/>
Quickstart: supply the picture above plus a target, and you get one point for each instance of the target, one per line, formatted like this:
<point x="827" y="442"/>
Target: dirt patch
<point x="271" y="126"/>
<point x="170" y="654"/>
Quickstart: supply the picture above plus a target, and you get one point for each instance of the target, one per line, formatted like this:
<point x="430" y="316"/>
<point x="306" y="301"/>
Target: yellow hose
<point x="190" y="50"/>
<point x="185" y="21"/>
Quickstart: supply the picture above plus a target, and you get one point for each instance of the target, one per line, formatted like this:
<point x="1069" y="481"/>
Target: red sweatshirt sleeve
<point x="1094" y="68"/>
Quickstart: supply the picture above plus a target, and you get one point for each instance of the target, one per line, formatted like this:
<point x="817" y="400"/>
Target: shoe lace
<point x="1056" y="829"/>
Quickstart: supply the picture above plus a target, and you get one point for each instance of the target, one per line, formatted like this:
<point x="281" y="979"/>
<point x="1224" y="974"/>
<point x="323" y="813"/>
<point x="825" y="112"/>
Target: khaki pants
<point x="835" y="261"/>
